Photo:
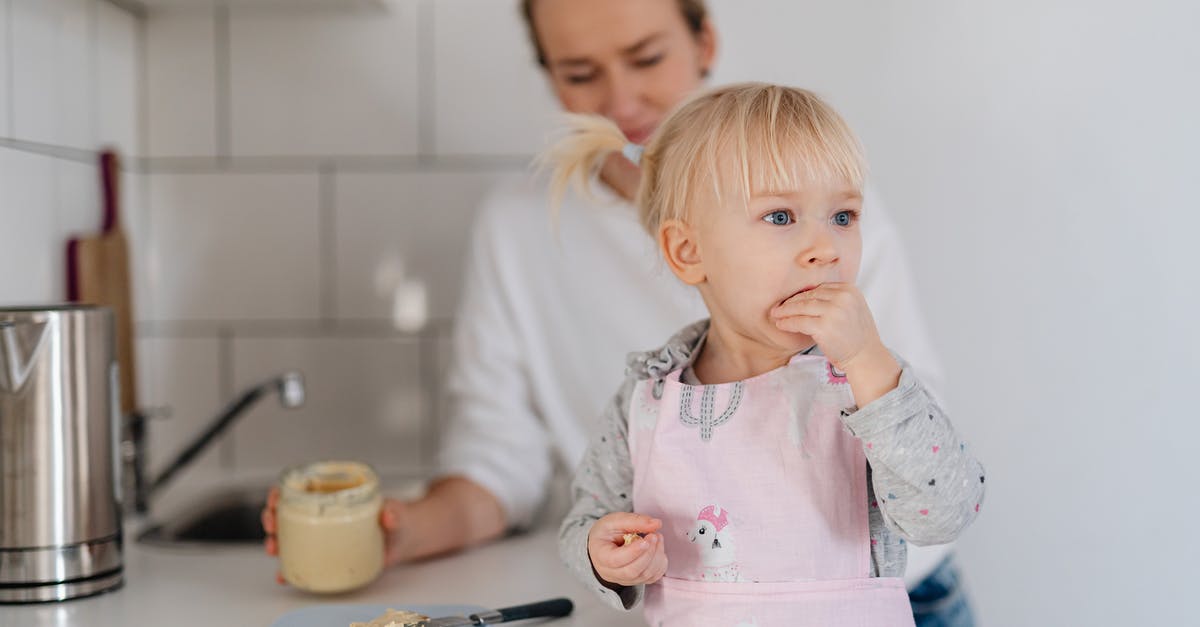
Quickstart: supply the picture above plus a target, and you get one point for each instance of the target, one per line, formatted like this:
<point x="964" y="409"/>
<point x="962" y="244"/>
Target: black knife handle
<point x="549" y="608"/>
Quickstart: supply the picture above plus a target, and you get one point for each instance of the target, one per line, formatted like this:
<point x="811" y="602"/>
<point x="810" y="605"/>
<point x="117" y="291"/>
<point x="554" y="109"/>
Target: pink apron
<point x="763" y="497"/>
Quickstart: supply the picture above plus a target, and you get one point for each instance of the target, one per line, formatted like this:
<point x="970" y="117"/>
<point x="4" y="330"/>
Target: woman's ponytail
<point x="579" y="154"/>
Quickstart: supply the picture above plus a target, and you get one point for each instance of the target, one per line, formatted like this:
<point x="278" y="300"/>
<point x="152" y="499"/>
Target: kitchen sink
<point x="217" y="514"/>
<point x="232" y="516"/>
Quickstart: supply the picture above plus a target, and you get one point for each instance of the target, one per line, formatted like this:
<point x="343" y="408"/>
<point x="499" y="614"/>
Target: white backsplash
<point x="53" y="88"/>
<point x="414" y="223"/>
<point x="181" y="85"/>
<point x="67" y="88"/>
<point x="365" y="400"/>
<point x="235" y="246"/>
<point x="30" y="238"/>
<point x="181" y="382"/>
<point x="5" y="79"/>
<point x="302" y="165"/>
<point x="480" y="51"/>
<point x="321" y="83"/>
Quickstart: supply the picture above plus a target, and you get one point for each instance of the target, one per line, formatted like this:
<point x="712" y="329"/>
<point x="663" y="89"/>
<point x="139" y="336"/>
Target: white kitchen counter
<point x="235" y="587"/>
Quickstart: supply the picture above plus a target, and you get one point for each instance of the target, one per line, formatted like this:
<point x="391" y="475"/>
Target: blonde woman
<point x="548" y="314"/>
<point x="776" y="456"/>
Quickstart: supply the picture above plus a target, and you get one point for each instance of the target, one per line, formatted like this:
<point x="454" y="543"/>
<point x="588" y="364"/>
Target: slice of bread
<point x="393" y="618"/>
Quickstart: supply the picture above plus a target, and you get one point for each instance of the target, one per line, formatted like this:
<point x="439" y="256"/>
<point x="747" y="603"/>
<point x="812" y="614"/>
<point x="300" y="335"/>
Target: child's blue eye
<point x="778" y="218"/>
<point x="844" y="218"/>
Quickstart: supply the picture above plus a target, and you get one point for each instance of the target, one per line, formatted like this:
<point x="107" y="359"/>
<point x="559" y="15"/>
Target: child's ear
<point x="677" y="241"/>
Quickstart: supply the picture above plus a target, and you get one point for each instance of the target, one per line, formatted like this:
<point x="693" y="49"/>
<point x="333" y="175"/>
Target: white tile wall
<point x="481" y="51"/>
<point x="5" y="130"/>
<point x="235" y="246"/>
<point x="329" y="85"/>
<point x="51" y="83"/>
<point x="115" y="67"/>
<point x="33" y="48"/>
<point x="324" y="83"/>
<point x="49" y="93"/>
<point x="181" y="72"/>
<point x="136" y="219"/>
<point x="364" y="402"/>
<point x="178" y="6"/>
<point x="182" y="377"/>
<point x="76" y="79"/>
<point x="31" y="254"/>
<point x="78" y="198"/>
<point x="420" y="222"/>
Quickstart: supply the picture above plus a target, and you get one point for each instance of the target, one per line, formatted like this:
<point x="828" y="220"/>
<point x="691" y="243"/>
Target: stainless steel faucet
<point x="289" y="386"/>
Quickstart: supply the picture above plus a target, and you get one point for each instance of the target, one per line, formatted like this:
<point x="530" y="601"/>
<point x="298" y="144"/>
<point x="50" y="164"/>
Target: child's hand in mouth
<point x="836" y="316"/>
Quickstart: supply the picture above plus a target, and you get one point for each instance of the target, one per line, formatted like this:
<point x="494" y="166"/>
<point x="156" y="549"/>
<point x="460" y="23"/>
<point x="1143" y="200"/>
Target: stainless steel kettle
<point x="60" y="514"/>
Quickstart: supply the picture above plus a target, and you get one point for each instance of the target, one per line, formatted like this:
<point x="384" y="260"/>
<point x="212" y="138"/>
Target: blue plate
<point x="343" y="615"/>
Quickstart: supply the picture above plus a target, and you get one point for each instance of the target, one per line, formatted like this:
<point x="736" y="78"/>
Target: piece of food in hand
<point x="629" y="538"/>
<point x="393" y="618"/>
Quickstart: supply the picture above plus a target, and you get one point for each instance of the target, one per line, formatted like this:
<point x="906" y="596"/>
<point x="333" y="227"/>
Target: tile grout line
<point x="225" y="385"/>
<point x="280" y="164"/>
<point x="8" y="56"/>
<point x="327" y="243"/>
<point x="380" y="328"/>
<point x="132" y="7"/>
<point x="143" y="275"/>
<point x="66" y="153"/>
<point x="94" y="83"/>
<point x="426" y="105"/>
<point x="143" y="104"/>
<point x="427" y="371"/>
<point x="146" y="246"/>
<point x="222" y="90"/>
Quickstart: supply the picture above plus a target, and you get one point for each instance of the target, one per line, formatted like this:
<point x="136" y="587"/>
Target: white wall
<point x="1038" y="156"/>
<point x="68" y="74"/>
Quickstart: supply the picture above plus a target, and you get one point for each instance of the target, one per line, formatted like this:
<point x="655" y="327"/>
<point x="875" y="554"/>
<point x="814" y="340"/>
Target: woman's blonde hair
<point x="748" y="138"/>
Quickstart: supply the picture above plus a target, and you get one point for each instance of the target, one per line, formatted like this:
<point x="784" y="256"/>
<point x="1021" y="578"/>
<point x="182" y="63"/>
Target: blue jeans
<point x="939" y="601"/>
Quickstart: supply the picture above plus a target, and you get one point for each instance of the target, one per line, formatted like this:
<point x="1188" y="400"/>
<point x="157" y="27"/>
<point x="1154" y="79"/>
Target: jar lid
<point x="329" y="482"/>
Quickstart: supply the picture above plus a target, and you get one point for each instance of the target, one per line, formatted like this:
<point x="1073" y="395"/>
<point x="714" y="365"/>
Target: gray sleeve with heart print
<point x="928" y="484"/>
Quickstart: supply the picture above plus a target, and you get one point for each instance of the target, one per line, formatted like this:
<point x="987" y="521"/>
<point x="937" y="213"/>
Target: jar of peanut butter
<point x="328" y="526"/>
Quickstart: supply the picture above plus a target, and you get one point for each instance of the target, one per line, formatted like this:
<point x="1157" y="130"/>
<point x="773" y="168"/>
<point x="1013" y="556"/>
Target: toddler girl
<point x="773" y="459"/>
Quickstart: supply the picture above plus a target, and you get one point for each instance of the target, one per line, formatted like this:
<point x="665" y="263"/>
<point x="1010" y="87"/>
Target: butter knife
<point x="542" y="609"/>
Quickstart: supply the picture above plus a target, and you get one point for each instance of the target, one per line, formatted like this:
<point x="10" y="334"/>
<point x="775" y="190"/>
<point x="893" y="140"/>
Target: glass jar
<point x="328" y="526"/>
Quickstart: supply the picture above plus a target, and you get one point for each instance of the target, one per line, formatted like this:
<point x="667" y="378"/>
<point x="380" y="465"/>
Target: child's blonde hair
<point x="751" y="137"/>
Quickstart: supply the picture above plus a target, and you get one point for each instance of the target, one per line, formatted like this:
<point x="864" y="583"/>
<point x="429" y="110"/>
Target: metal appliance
<point x="60" y="511"/>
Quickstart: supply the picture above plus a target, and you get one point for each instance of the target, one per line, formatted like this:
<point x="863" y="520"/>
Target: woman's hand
<point x="268" y="523"/>
<point x="618" y="564"/>
<point x="837" y="318"/>
<point x="390" y="515"/>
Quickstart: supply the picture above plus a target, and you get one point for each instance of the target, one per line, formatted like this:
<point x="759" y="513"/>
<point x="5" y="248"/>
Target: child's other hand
<point x="837" y="318"/>
<point x="640" y="562"/>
